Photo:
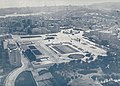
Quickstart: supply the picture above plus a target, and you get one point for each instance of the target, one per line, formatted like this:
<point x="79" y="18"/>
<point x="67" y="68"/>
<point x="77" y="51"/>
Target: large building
<point x="14" y="54"/>
<point x="54" y="28"/>
<point x="40" y="30"/>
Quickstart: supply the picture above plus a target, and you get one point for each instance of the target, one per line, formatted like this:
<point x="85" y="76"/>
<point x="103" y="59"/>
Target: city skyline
<point x="37" y="3"/>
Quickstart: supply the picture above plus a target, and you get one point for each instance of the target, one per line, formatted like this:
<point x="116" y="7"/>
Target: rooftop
<point x="59" y="48"/>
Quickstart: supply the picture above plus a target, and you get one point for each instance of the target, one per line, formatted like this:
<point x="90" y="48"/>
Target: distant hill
<point x="107" y="5"/>
<point x="44" y="9"/>
<point x="27" y="10"/>
<point x="58" y="9"/>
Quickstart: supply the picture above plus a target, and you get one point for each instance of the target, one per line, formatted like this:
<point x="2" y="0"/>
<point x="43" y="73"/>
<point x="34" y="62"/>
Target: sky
<point x="36" y="3"/>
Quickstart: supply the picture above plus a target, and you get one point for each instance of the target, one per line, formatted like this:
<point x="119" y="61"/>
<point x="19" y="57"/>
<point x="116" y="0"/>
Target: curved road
<point x="10" y="79"/>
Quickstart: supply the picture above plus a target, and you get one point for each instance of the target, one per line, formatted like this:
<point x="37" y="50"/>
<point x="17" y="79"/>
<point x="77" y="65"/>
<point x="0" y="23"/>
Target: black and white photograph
<point x="59" y="42"/>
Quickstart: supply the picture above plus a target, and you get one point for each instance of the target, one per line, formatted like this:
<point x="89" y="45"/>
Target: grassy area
<point x="25" y="79"/>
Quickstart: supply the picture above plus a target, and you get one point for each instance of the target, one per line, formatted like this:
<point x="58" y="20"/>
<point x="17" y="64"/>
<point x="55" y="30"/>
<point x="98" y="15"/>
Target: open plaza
<point x="58" y="47"/>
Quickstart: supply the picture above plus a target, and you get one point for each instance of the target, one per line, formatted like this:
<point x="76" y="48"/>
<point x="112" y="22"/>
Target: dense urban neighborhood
<point x="60" y="45"/>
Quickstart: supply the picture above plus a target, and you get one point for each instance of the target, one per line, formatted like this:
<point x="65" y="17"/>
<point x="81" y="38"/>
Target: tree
<point x="104" y="42"/>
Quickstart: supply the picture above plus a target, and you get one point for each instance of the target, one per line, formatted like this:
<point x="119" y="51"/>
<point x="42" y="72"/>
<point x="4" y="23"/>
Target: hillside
<point x="27" y="10"/>
<point x="107" y="5"/>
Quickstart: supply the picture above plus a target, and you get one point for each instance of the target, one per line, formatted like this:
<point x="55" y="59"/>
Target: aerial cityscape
<point x="60" y="43"/>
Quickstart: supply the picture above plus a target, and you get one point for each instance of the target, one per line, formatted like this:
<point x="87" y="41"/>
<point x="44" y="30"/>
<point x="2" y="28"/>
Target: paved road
<point x="10" y="79"/>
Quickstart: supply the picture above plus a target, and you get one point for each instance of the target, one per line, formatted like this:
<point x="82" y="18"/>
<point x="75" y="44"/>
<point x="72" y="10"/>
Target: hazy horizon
<point x="37" y="3"/>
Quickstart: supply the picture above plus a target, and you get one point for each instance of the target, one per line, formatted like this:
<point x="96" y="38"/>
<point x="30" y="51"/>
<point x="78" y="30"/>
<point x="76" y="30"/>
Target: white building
<point x="40" y="30"/>
<point x="5" y="43"/>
